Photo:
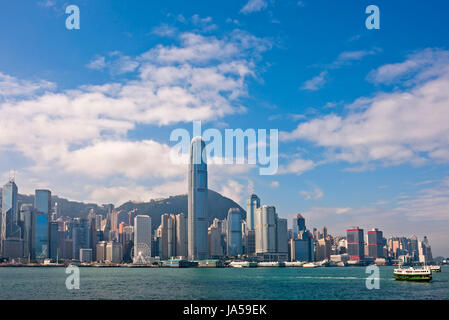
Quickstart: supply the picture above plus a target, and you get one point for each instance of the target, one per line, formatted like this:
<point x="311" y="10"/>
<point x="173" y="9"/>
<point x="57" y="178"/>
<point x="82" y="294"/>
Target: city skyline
<point x="175" y="224"/>
<point x="362" y="114"/>
<point x="45" y="235"/>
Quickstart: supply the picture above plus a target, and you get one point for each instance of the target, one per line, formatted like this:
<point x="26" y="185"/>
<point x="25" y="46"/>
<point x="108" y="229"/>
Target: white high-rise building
<point x="265" y="224"/>
<point x="142" y="239"/>
<point x="197" y="201"/>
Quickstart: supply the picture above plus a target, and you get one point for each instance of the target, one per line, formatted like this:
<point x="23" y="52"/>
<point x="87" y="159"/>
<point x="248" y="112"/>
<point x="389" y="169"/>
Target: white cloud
<point x="254" y="6"/>
<point x="392" y="128"/>
<point x="11" y="86"/>
<point x="314" y="194"/>
<point x="233" y="190"/>
<point x="97" y="64"/>
<point x="316" y="82"/>
<point x="297" y="166"/>
<point x="136" y="160"/>
<point x="136" y="193"/>
<point x="47" y="3"/>
<point x="164" y="30"/>
<point x="347" y="57"/>
<point x="83" y="132"/>
<point x="419" y="66"/>
<point x="344" y="59"/>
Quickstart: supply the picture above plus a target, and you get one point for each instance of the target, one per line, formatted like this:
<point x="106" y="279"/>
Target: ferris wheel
<point x="141" y="254"/>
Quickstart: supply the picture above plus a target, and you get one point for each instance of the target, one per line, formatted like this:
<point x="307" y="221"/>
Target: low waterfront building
<point x="85" y="255"/>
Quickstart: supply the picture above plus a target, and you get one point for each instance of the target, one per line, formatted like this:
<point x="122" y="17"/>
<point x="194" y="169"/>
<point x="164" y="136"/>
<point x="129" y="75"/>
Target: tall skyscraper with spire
<point x="197" y="201"/>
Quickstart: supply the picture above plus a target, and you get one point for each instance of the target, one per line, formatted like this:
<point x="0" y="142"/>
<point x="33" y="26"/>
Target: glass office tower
<point x="197" y="201"/>
<point x="10" y="214"/>
<point x="234" y="232"/>
<point x="42" y="205"/>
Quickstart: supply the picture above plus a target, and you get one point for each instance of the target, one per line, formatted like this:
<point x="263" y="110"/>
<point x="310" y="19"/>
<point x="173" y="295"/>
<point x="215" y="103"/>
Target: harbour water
<point x="210" y="283"/>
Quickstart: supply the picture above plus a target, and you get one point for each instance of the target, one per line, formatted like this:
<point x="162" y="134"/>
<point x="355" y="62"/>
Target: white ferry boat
<point x="413" y="274"/>
<point x="434" y="268"/>
<point x="309" y="265"/>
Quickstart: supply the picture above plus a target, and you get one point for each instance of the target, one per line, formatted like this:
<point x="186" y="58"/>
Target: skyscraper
<point x="265" y="223"/>
<point x="81" y="236"/>
<point x="356" y="248"/>
<point x="181" y="235"/>
<point x="252" y="204"/>
<point x="299" y="224"/>
<point x="281" y="236"/>
<point x="27" y="223"/>
<point x="375" y="243"/>
<point x="197" y="201"/>
<point x="167" y="231"/>
<point x="234" y="232"/>
<point x="53" y="240"/>
<point x="215" y="248"/>
<point x="42" y="205"/>
<point x="10" y="213"/>
<point x="142" y="239"/>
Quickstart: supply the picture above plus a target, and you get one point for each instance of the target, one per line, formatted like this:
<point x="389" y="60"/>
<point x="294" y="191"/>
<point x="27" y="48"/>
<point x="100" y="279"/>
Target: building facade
<point x="234" y="232"/>
<point x="356" y="248"/>
<point x="197" y="201"/>
<point x="42" y="206"/>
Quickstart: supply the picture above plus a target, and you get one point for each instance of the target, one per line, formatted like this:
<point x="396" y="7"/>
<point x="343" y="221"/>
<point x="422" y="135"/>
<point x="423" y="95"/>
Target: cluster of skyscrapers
<point x="38" y="232"/>
<point x="26" y="231"/>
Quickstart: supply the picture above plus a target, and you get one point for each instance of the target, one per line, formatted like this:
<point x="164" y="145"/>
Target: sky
<point x="363" y="115"/>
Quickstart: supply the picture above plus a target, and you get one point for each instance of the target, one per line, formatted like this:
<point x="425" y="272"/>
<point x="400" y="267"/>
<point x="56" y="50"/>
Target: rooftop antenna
<point x="11" y="177"/>
<point x="251" y="187"/>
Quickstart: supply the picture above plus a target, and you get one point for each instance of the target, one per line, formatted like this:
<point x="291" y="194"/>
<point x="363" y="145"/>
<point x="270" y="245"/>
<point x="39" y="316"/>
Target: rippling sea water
<point x="216" y="284"/>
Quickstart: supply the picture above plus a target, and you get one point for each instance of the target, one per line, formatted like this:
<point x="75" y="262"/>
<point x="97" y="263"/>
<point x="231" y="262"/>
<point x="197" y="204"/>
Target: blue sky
<point x="363" y="114"/>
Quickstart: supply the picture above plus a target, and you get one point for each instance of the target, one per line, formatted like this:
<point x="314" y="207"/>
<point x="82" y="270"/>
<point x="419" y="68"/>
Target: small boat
<point x="309" y="265"/>
<point x="413" y="274"/>
<point x="434" y="268"/>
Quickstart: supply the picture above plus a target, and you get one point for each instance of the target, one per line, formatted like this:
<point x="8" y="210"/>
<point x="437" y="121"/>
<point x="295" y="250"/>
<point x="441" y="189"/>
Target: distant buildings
<point x="197" y="201"/>
<point x="36" y="233"/>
